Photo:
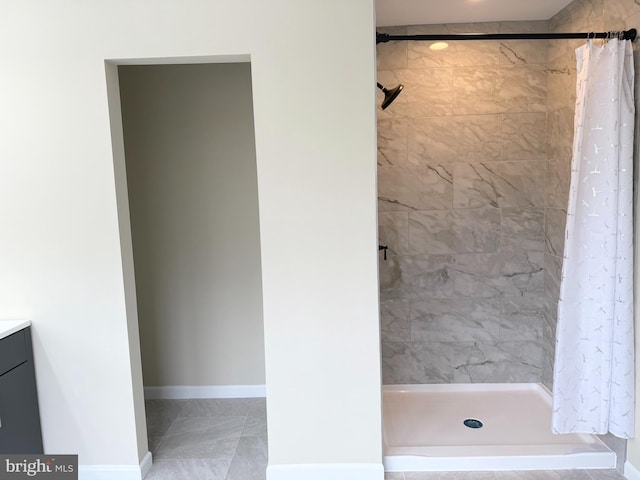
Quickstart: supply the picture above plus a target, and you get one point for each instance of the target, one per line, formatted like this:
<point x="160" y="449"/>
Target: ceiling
<point x="419" y="12"/>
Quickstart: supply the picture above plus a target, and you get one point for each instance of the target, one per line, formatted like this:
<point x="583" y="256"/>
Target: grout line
<point x="157" y="446"/>
<point x="235" y="450"/>
<point x="184" y="404"/>
<point x="174" y="420"/>
<point x="244" y="424"/>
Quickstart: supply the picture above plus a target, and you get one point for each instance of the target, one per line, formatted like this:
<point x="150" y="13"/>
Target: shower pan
<point x="472" y="427"/>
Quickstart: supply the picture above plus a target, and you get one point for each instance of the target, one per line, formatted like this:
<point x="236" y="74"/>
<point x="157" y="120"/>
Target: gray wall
<point x="191" y="173"/>
<point x="461" y="179"/>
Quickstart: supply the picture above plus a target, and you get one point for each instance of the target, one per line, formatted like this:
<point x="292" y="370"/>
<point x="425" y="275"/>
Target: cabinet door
<point x="19" y="418"/>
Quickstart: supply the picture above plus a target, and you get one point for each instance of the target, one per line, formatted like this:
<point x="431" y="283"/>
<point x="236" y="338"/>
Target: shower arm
<point x="622" y="35"/>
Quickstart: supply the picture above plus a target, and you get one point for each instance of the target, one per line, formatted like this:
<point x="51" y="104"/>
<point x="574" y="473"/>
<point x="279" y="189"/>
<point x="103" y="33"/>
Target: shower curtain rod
<point x="624" y="35"/>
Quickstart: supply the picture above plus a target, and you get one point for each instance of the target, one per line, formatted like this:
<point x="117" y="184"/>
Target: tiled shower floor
<point x="226" y="439"/>
<point x="207" y="439"/>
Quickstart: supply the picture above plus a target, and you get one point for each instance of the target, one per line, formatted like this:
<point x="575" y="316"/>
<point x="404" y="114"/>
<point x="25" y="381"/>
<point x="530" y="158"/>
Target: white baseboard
<point x="334" y="471"/>
<point x="631" y="472"/>
<point x="145" y="464"/>
<point x="205" y="391"/>
<point x="115" y="472"/>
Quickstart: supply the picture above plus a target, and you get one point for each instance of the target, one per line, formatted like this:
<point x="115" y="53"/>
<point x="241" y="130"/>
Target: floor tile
<point x="161" y="414"/>
<point x="394" y="476"/>
<point x="188" y="469"/>
<point x="258" y="407"/>
<point x="188" y="446"/>
<point x="255" y="427"/>
<point x="216" y="407"/>
<point x="250" y="460"/>
<point x="449" y="476"/>
<point x="605" y="475"/>
<point x="216" y="428"/>
<point x="544" y="475"/>
<point x="154" y="442"/>
<point x="201" y="437"/>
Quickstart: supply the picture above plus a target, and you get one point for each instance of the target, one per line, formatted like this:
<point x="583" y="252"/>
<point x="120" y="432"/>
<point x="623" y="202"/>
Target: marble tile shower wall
<point x="462" y="175"/>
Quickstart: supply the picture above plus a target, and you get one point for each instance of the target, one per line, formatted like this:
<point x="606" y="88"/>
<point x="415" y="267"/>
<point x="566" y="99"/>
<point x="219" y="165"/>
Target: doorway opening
<point x="188" y="213"/>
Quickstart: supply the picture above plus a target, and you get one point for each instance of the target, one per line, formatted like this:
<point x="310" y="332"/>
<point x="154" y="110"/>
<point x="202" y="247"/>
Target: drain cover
<point x="473" y="423"/>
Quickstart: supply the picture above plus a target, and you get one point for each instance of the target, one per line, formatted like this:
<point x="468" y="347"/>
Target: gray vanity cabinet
<point x="19" y="416"/>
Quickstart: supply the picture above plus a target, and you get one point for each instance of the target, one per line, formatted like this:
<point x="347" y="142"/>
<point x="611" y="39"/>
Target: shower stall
<point x="474" y="162"/>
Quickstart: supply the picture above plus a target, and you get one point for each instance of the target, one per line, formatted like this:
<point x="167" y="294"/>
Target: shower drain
<point x="473" y="423"/>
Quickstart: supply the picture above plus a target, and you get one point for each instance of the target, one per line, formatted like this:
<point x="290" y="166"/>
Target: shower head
<point x="390" y="94"/>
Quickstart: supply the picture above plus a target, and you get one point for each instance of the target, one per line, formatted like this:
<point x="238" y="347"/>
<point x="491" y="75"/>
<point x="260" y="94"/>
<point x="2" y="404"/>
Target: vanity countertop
<point x="7" y="327"/>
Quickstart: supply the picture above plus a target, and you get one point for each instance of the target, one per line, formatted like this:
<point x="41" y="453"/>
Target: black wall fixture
<point x="390" y="94"/>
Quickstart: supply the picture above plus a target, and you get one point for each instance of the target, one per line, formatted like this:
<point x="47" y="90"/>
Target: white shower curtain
<point x="593" y="387"/>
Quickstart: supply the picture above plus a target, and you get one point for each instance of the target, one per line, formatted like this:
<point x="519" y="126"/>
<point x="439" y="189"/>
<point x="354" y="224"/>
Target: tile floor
<point x="207" y="439"/>
<point x="226" y="439"/>
<point x="537" y="475"/>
